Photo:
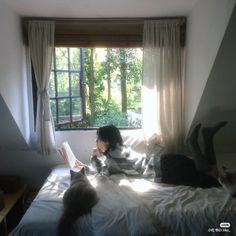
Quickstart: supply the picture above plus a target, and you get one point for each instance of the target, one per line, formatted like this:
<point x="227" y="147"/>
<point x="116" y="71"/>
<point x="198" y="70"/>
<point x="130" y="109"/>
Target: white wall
<point x="205" y="29"/>
<point x="218" y="101"/>
<point x="15" y="156"/>
<point x="12" y="74"/>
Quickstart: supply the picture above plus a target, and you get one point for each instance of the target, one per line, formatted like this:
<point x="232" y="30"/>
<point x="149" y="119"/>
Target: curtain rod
<point x="103" y="20"/>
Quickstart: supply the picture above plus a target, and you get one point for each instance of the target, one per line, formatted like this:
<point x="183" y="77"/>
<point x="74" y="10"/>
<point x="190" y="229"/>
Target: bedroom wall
<point x="16" y="158"/>
<point x="210" y="76"/>
<point x="33" y="167"/>
<point x="218" y="101"/>
<point x="13" y="87"/>
<point x="206" y="26"/>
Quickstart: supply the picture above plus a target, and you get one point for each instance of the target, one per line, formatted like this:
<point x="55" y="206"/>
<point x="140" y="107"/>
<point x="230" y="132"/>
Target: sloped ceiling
<point x="218" y="102"/>
<point x="11" y="137"/>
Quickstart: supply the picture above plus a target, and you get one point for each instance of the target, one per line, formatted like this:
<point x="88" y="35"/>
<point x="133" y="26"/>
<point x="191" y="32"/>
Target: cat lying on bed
<point x="78" y="200"/>
<point x="228" y="181"/>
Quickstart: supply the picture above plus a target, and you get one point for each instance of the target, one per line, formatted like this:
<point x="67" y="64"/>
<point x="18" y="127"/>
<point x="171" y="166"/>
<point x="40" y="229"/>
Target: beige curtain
<point x="162" y="83"/>
<point x="41" y="44"/>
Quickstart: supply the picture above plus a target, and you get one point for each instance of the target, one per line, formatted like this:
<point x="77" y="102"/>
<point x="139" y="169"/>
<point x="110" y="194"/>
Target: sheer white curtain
<point x="162" y="83"/>
<point x="41" y="44"/>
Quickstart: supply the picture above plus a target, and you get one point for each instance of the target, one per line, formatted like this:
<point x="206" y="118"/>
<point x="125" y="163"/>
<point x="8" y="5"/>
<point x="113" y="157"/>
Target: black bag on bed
<point x="180" y="170"/>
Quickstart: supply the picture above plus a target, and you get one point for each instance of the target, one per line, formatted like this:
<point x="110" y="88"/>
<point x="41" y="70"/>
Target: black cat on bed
<point x="78" y="200"/>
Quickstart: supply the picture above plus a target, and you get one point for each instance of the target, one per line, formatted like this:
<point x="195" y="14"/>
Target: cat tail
<point x="65" y="225"/>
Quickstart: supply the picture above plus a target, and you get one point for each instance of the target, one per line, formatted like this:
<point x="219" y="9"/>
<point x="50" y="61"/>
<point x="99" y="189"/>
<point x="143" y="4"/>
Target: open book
<point x="69" y="156"/>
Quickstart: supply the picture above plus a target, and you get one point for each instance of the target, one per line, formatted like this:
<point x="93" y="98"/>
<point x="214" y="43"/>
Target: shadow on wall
<point x="218" y="101"/>
<point x="11" y="137"/>
<point x="32" y="167"/>
<point x="225" y="139"/>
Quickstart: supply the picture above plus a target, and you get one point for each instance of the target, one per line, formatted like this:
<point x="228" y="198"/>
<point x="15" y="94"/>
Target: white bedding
<point x="130" y="206"/>
<point x="183" y="210"/>
<point x="119" y="210"/>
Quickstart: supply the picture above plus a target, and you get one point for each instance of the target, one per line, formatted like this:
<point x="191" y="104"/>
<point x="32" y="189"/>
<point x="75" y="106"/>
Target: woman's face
<point x="102" y="145"/>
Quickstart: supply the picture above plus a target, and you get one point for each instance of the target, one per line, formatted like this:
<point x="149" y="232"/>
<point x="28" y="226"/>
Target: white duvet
<point x="183" y="210"/>
<point x="130" y="206"/>
<point x="119" y="210"/>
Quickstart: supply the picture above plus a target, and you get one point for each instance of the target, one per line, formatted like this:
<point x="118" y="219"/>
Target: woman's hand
<point x="96" y="152"/>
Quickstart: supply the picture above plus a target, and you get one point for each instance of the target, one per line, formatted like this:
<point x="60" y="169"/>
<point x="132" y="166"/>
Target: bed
<point x="133" y="206"/>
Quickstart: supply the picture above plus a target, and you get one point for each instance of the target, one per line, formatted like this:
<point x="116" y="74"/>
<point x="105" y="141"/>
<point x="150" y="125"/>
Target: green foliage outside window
<point x="110" y="79"/>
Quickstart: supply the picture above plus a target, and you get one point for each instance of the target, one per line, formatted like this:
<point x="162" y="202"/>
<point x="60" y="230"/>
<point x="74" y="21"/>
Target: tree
<point x="91" y="89"/>
<point x="108" y="64"/>
<point x="113" y="85"/>
<point x="123" y="75"/>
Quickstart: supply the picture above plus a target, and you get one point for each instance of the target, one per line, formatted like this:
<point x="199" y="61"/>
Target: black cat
<point x="78" y="200"/>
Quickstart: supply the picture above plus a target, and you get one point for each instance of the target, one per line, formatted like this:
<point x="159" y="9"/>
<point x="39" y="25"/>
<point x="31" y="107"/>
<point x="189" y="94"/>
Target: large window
<point x="90" y="87"/>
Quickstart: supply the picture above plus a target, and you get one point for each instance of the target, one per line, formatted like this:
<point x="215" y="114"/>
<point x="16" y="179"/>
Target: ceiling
<point x="101" y="8"/>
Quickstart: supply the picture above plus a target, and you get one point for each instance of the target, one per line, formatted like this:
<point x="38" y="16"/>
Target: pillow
<point x="135" y="141"/>
<point x="69" y="156"/>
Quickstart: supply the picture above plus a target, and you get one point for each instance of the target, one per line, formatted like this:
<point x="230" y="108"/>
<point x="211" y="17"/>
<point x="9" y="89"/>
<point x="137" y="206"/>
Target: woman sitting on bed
<point x="110" y="156"/>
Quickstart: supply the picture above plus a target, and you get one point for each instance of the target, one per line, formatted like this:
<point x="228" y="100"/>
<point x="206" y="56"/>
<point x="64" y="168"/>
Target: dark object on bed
<point x="10" y="184"/>
<point x="180" y="170"/>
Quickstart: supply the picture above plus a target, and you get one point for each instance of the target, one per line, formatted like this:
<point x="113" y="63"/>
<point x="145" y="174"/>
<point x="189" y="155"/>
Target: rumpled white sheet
<point x="183" y="210"/>
<point x="130" y="206"/>
<point x="119" y="211"/>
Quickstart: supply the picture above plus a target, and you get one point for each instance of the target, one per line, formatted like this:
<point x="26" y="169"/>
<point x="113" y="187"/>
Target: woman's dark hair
<point x="110" y="134"/>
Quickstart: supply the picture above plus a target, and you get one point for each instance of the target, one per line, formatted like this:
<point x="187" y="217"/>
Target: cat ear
<point x="82" y="171"/>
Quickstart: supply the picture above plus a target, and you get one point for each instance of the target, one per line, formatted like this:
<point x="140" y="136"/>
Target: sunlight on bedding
<point x="53" y="187"/>
<point x="138" y="185"/>
<point x="93" y="181"/>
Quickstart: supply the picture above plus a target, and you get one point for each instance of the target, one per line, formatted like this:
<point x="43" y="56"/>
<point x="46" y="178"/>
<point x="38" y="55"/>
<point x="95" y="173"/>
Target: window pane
<point x="105" y="86"/>
<point x="64" y="110"/>
<point x="76" y="109"/>
<point x="61" y="59"/>
<point x="53" y="108"/>
<point x="75" y="59"/>
<point x="62" y="84"/>
<point x="52" y="85"/>
<point x="75" y="87"/>
<point x="52" y="65"/>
